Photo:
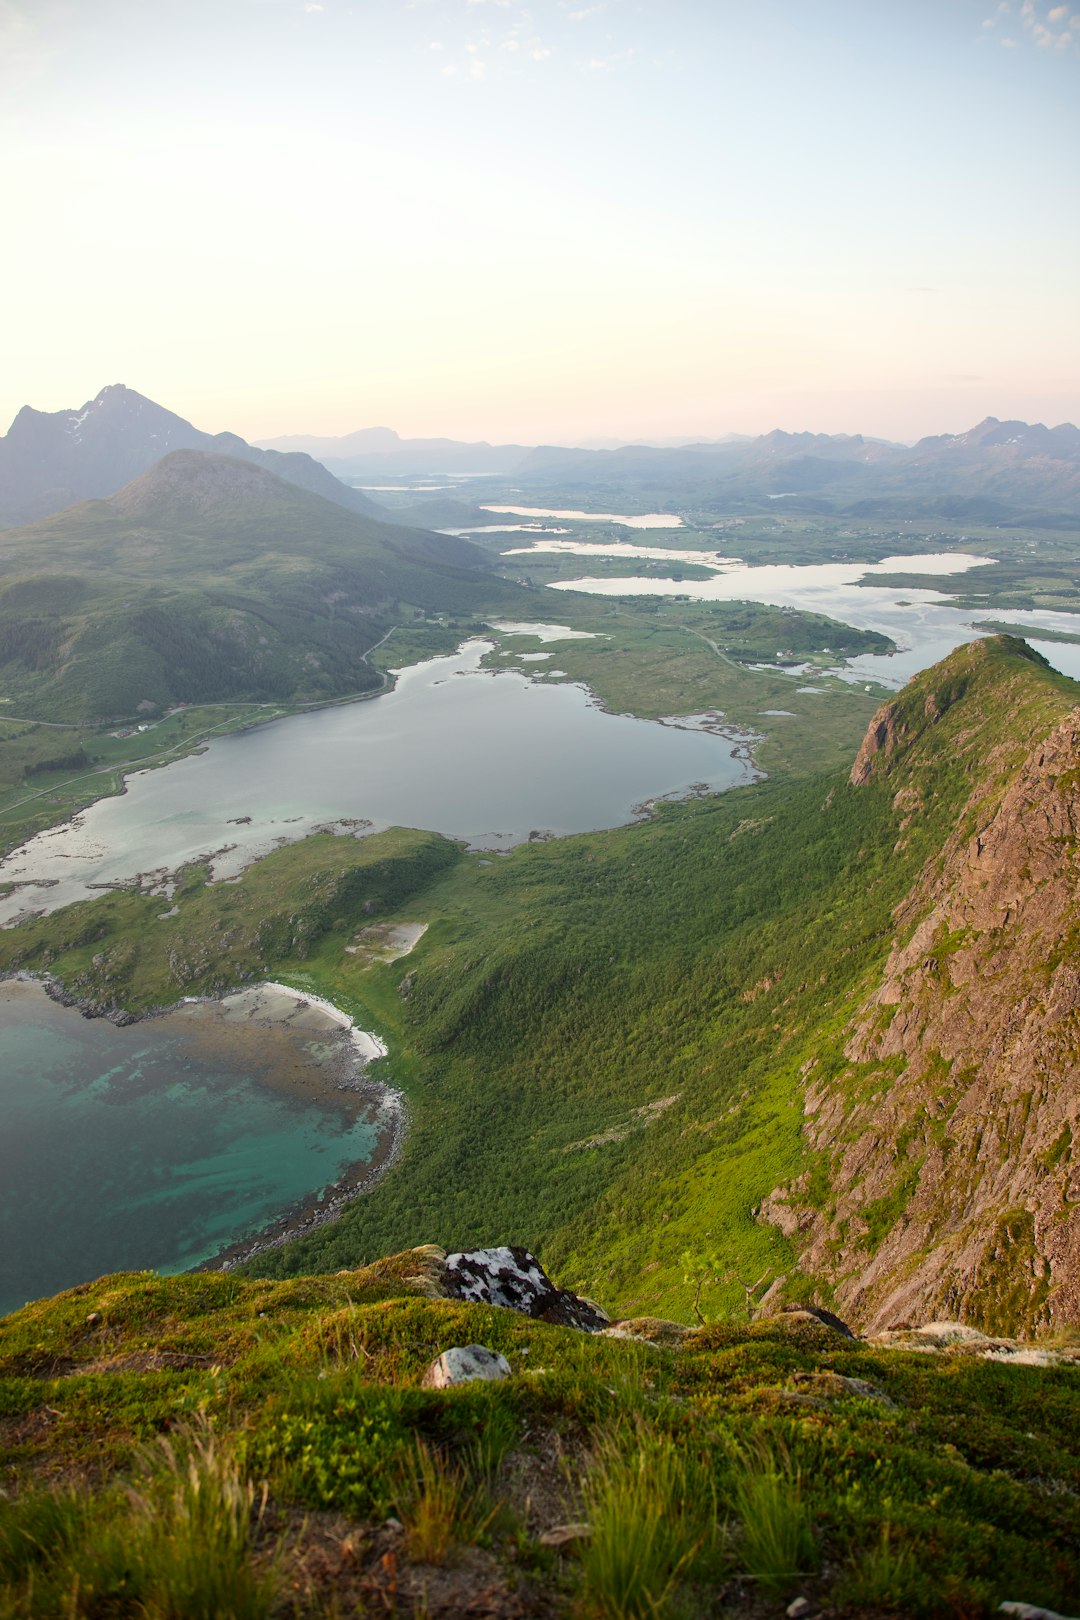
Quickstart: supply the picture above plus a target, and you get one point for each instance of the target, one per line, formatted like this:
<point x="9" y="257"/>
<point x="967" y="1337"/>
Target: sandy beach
<point x="338" y="1056"/>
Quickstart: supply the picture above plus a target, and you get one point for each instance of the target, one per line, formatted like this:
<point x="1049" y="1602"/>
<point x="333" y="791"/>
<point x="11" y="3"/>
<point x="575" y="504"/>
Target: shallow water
<point x="644" y="520"/>
<point x="155" y="1145"/>
<point x="922" y="623"/>
<point x="482" y="756"/>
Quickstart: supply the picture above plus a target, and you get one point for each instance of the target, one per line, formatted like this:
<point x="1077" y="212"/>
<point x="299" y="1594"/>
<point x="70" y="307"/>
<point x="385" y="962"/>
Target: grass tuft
<point x="884" y="1575"/>
<point x="194" y="1517"/>
<point x="777" y="1545"/>
<point x="440" y="1507"/>
<point x="652" y="1512"/>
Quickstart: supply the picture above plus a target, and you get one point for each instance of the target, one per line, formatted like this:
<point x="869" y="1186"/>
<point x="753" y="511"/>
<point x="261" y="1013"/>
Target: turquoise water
<point x="151" y="1147"/>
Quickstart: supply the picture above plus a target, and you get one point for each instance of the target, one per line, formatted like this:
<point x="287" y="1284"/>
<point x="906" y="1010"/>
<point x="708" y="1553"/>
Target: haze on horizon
<point x="556" y="220"/>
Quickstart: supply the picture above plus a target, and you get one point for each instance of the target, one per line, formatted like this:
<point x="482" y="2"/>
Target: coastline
<point x="347" y="1086"/>
<point x="328" y="1204"/>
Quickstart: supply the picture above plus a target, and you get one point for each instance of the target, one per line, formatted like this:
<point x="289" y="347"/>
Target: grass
<point x="703" y="1481"/>
<point x="885" y="1575"/>
<point x="777" y="1545"/>
<point x="652" y="1513"/>
<point x="195" y="1519"/>
<point x="176" y="1543"/>
<point x="441" y="1507"/>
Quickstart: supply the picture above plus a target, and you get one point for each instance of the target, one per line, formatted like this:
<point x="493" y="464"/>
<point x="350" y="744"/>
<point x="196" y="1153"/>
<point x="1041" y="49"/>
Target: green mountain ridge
<point x="208" y="579"/>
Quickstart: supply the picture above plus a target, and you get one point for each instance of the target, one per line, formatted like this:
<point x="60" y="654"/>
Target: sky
<point x="544" y="220"/>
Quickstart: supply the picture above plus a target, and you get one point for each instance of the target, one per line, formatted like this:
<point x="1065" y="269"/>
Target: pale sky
<point x="544" y="221"/>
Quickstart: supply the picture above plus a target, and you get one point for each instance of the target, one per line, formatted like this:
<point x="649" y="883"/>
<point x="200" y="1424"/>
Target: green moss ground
<point x="965" y="1471"/>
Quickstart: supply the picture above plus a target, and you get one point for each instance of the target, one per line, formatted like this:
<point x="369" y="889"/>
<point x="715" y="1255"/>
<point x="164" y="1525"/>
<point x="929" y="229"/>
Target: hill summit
<point x="209" y="577"/>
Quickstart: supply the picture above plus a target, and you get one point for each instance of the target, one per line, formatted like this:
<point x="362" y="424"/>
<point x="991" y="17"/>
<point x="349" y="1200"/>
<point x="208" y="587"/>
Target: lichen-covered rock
<point x="515" y="1279"/>
<point x="464" y="1364"/>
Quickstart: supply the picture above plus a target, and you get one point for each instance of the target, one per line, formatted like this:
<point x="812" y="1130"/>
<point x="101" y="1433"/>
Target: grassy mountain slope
<point x="607" y="1041"/>
<point x="209" y="1446"/>
<point x="208" y="579"/>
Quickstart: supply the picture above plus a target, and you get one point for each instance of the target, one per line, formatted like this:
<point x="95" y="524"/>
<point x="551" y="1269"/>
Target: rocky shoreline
<point x="310" y="1214"/>
<point x="384" y="1102"/>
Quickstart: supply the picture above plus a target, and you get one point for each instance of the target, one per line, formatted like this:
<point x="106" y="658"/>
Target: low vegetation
<point x="202" y="1446"/>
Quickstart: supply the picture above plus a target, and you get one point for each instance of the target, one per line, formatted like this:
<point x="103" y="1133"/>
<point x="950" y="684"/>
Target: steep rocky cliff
<point x="949" y="1141"/>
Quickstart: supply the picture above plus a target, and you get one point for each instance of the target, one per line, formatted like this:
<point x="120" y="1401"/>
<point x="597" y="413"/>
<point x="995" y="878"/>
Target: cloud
<point x="1044" y="25"/>
<point x="606" y="64"/>
<point x="1050" y="27"/>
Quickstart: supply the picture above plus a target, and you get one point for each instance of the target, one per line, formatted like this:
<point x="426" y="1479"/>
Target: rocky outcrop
<point x="515" y="1279"/>
<point x="510" y="1277"/>
<point x="952" y="1138"/>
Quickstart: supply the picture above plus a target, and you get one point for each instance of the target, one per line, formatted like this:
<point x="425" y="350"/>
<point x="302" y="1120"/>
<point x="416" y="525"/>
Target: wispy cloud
<point x="1050" y="27"/>
<point x="606" y="64"/>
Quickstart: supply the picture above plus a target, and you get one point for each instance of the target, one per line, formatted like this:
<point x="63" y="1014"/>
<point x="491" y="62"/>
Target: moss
<point x="1013" y="1280"/>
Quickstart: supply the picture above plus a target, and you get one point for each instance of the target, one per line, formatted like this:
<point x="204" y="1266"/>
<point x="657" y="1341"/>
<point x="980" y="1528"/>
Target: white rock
<point x="463" y="1364"/>
<point x="1030" y="1611"/>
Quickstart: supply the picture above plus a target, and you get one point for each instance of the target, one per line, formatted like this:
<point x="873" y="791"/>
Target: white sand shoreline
<point x="368" y="1045"/>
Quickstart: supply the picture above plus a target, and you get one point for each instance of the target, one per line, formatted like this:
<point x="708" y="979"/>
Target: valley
<point x="706" y="895"/>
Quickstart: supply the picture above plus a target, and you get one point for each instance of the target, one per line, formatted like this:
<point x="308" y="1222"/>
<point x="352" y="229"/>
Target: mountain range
<point x="50" y="459"/>
<point x="997" y="470"/>
<point x="994" y="466"/>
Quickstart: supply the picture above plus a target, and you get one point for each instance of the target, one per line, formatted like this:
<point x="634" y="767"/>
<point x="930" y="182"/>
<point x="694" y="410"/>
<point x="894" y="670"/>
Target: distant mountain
<point x="50" y="459"/>
<point x="380" y="452"/>
<point x="1000" y="465"/>
<point x="209" y="578"/>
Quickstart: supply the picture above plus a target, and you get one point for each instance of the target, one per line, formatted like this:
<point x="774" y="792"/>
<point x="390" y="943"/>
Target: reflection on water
<point x="644" y="520"/>
<point x="922" y="623"/>
<point x="155" y="1145"/>
<point x="485" y="757"/>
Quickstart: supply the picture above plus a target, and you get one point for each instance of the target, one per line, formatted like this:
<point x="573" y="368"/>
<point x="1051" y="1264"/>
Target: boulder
<point x="464" y="1364"/>
<point x="515" y="1279"/>
<point x="815" y="1313"/>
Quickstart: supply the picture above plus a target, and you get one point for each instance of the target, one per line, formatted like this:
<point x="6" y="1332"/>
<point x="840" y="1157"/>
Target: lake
<point x="481" y="756"/>
<point x="644" y="520"/>
<point x="154" y="1145"/>
<point x="924" y="625"/>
